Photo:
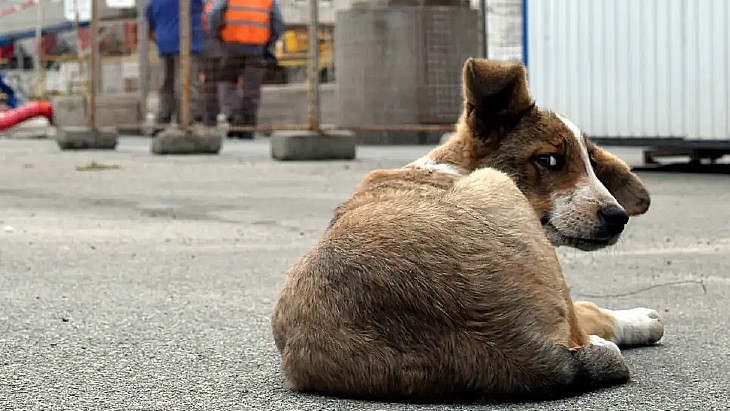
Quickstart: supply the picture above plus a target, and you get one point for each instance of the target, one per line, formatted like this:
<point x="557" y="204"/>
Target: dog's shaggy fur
<point x="439" y="281"/>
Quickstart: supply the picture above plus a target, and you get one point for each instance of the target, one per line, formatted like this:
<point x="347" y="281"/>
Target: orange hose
<point x="16" y="116"/>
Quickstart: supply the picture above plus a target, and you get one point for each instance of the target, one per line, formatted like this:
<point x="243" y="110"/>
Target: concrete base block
<point x="120" y="111"/>
<point x="394" y="138"/>
<point x="85" y="138"/>
<point x="197" y="140"/>
<point x="309" y="145"/>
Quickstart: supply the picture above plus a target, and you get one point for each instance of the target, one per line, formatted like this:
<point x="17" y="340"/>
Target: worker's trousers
<point x="222" y="74"/>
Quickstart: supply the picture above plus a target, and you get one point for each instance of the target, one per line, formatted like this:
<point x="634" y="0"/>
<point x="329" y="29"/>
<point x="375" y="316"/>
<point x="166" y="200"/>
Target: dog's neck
<point x="429" y="164"/>
<point x="462" y="151"/>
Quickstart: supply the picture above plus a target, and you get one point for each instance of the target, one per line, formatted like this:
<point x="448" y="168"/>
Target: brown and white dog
<point x="439" y="281"/>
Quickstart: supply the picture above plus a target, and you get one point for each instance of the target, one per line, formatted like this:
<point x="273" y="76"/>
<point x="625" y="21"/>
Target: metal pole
<point x="80" y="56"/>
<point x="185" y="63"/>
<point x="142" y="59"/>
<point x="39" y="55"/>
<point x="483" y="16"/>
<point x="93" y="62"/>
<point x="313" y="66"/>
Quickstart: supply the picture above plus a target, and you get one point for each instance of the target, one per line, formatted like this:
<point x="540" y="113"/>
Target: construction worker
<point x="163" y="18"/>
<point x="248" y="29"/>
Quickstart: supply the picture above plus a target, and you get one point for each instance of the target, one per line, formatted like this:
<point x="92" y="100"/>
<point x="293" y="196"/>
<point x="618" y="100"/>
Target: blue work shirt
<point x="163" y="17"/>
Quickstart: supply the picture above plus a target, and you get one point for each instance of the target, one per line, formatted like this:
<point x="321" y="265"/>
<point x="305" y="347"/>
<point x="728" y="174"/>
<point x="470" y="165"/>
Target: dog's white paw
<point x="638" y="326"/>
<point x="596" y="340"/>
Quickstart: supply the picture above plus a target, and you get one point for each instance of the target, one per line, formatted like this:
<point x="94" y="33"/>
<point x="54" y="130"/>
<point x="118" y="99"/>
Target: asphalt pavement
<point x="137" y="282"/>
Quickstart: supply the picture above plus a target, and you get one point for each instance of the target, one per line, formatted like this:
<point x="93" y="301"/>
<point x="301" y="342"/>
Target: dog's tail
<point x="555" y="371"/>
<point x="595" y="366"/>
<point x="599" y="364"/>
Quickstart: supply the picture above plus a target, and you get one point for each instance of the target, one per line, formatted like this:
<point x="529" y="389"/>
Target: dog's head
<point x="582" y="194"/>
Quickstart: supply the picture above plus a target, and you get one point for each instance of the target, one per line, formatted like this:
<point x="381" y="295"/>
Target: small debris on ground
<point x="94" y="166"/>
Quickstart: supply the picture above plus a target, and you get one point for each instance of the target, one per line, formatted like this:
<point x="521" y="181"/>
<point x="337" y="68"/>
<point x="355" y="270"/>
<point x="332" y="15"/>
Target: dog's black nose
<point x="614" y="219"/>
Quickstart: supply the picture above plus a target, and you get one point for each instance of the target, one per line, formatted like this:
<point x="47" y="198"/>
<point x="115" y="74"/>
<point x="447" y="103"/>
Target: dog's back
<point x="443" y="299"/>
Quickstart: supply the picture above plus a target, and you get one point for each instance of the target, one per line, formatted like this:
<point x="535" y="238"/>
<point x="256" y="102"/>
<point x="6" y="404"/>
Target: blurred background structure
<point x="639" y="73"/>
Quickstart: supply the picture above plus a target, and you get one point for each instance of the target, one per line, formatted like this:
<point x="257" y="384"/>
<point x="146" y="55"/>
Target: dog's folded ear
<point x="625" y="186"/>
<point x="495" y="92"/>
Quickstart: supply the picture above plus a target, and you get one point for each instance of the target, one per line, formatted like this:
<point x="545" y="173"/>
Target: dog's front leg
<point x="634" y="327"/>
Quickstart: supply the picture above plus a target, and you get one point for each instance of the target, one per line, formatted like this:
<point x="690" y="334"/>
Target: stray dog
<point x="439" y="281"/>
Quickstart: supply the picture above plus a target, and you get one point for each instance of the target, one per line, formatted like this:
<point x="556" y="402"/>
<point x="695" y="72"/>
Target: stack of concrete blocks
<point x="400" y="62"/>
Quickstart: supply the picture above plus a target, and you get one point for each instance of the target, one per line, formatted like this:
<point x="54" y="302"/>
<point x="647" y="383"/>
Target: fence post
<point x="186" y="139"/>
<point x="484" y="34"/>
<point x="313" y="66"/>
<point x="79" y="49"/>
<point x="39" y="58"/>
<point x="90" y="135"/>
<point x="94" y="63"/>
<point x="142" y="59"/>
<point x="184" y="69"/>
<point x="314" y="143"/>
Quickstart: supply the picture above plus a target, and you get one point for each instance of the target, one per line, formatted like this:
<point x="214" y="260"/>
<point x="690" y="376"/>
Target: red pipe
<point x="13" y="117"/>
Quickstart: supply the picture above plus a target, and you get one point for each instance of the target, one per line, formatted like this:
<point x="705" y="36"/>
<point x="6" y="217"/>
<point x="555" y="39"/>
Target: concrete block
<point x="398" y="138"/>
<point x="84" y="138"/>
<point x="120" y="111"/>
<point x="196" y="140"/>
<point x="309" y="145"/>
<point x="69" y="111"/>
<point x="287" y="104"/>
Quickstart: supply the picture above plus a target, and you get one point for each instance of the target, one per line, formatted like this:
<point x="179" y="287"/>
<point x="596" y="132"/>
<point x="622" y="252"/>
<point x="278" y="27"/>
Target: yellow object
<point x="292" y="48"/>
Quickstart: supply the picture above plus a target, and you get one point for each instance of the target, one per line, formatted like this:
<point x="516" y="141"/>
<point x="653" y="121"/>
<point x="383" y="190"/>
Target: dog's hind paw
<point x="638" y="326"/>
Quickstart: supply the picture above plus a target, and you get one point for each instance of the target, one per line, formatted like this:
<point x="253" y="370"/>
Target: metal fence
<point x="386" y="69"/>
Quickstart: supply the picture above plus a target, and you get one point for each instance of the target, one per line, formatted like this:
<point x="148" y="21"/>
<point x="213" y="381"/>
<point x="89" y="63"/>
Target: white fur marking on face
<point x="596" y="340"/>
<point x="638" y="326"/>
<point x="594" y="187"/>
<point x="432" y="165"/>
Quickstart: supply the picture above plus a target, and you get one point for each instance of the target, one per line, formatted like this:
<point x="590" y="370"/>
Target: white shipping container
<point x="633" y="69"/>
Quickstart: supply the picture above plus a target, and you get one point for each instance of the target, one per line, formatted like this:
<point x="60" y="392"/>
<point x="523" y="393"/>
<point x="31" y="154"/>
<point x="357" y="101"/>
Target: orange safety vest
<point x="247" y="22"/>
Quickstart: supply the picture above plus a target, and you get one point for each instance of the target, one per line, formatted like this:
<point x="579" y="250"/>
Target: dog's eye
<point x="550" y="161"/>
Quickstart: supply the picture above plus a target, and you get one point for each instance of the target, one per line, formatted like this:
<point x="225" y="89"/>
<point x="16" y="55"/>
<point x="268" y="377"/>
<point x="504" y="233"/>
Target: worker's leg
<point x="228" y="98"/>
<point x="253" y="75"/>
<point x="210" y="98"/>
<point x="167" y="102"/>
<point x="228" y="88"/>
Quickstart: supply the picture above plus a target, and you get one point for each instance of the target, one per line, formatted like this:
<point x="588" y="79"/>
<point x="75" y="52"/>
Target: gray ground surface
<point x="150" y="286"/>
